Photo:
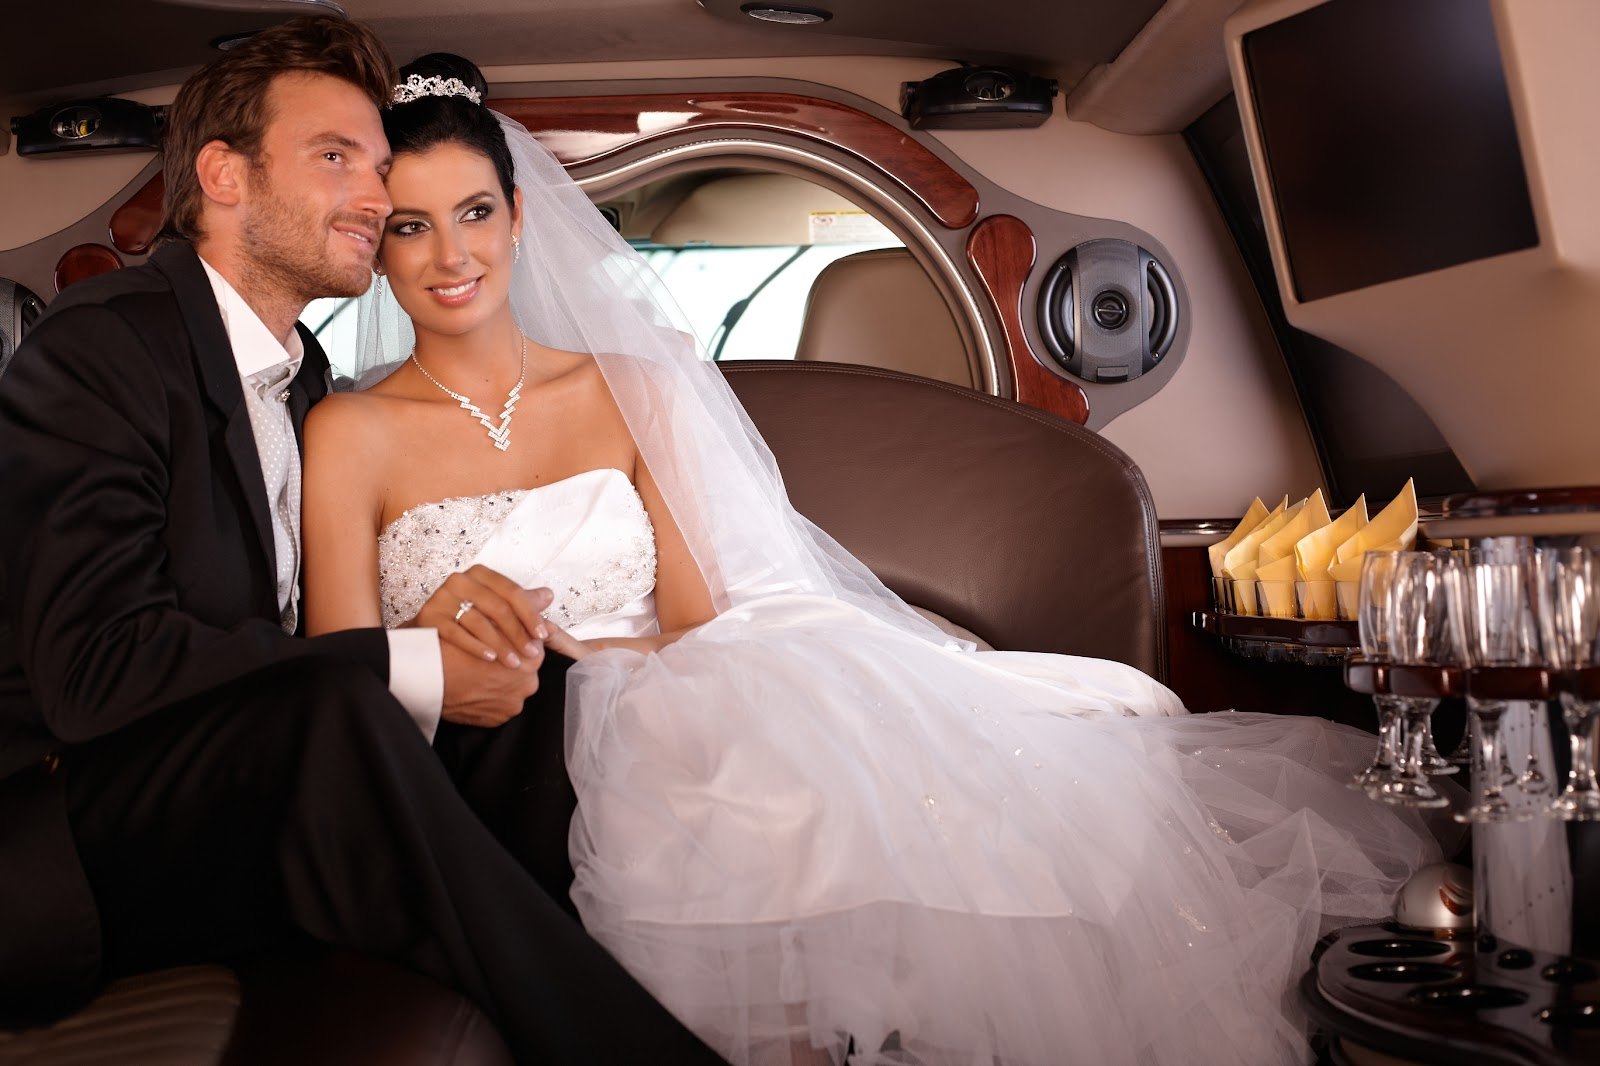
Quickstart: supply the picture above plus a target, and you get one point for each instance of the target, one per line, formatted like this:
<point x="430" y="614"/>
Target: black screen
<point x="1389" y="140"/>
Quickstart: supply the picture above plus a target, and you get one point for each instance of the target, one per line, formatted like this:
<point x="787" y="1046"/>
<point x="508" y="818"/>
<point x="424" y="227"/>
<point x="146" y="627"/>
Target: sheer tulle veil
<point x="579" y="286"/>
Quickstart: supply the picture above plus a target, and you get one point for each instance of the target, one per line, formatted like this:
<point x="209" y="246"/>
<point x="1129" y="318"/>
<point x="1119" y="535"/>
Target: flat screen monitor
<point x="1389" y="140"/>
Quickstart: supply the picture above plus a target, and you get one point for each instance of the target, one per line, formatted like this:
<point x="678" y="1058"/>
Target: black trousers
<point x="307" y="799"/>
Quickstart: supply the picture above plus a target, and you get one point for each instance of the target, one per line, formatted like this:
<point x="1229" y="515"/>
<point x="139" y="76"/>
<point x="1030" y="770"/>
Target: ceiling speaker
<point x="977" y="98"/>
<point x="1108" y="311"/>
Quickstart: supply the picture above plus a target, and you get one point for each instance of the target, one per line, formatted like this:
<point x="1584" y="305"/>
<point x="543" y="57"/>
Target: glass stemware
<point x="1374" y="623"/>
<point x="1488" y="597"/>
<point x="1420" y="635"/>
<point x="1567" y="609"/>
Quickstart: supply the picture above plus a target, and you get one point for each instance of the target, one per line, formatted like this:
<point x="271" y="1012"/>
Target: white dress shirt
<point x="266" y="366"/>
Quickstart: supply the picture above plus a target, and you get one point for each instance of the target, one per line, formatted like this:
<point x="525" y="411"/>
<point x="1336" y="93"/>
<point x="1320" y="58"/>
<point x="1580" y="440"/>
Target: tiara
<point x="416" y="87"/>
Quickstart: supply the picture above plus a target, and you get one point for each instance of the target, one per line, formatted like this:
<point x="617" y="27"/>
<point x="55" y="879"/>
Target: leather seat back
<point x="879" y="308"/>
<point x="1031" y="531"/>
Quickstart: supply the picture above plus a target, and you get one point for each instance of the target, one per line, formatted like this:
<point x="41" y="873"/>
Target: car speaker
<point x="19" y="309"/>
<point x="105" y="123"/>
<point x="977" y="98"/>
<point x="1108" y="311"/>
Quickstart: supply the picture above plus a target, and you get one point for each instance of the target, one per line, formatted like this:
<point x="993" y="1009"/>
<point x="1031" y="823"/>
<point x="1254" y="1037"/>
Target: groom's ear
<point x="221" y="173"/>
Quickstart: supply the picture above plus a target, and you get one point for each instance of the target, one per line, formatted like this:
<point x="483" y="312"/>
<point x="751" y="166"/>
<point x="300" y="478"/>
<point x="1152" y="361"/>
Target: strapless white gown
<point x="800" y="823"/>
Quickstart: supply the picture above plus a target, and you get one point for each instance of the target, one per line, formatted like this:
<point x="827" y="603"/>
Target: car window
<point x="711" y="284"/>
<point x="737" y="250"/>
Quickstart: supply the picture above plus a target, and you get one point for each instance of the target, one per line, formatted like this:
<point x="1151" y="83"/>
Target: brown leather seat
<point x="879" y="308"/>
<point x="1031" y="531"/>
<point x="326" y="1007"/>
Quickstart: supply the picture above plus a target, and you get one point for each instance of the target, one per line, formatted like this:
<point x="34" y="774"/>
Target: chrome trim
<point x="1197" y="527"/>
<point x="903" y="218"/>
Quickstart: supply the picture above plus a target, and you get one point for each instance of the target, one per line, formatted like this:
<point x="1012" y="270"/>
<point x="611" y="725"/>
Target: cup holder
<point x="1469" y="997"/>
<point x="1568" y="972"/>
<point x="1580" y="1014"/>
<point x="1403" y="973"/>
<point x="1399" y="949"/>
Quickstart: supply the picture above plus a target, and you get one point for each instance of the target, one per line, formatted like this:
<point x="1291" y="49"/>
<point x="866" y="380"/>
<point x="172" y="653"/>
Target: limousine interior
<point x="1032" y="299"/>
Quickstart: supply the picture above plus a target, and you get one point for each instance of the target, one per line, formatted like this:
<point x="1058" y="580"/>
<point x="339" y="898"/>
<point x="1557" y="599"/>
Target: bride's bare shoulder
<point x="346" y="420"/>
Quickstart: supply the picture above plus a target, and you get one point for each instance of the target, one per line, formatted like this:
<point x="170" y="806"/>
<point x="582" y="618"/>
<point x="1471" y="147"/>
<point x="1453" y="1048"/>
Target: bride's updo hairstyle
<point x="430" y="121"/>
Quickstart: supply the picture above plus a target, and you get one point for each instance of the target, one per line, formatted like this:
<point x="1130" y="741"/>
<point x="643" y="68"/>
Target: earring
<point x="516" y="250"/>
<point x="377" y="287"/>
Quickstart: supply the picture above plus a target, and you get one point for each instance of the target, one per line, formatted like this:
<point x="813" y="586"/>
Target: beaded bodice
<point x="586" y="537"/>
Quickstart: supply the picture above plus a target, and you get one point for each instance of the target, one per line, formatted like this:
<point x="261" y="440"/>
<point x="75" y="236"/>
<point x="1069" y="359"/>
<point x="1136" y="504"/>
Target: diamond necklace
<point x="501" y="434"/>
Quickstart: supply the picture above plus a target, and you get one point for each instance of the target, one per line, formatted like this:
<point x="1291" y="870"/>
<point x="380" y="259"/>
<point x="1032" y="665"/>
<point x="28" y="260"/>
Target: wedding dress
<point x="800" y="822"/>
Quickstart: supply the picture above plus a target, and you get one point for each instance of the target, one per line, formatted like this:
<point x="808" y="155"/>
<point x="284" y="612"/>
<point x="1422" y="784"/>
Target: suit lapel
<point x="311" y="384"/>
<point x="219" y="377"/>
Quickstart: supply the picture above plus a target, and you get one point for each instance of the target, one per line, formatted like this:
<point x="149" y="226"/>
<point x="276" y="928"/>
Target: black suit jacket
<point x="136" y="567"/>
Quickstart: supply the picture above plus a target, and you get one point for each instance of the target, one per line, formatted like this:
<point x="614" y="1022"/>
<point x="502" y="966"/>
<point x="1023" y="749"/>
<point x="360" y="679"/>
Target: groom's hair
<point x="226" y="100"/>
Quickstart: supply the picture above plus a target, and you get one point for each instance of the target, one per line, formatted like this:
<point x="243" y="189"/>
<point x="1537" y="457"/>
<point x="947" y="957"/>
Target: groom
<point x="182" y="777"/>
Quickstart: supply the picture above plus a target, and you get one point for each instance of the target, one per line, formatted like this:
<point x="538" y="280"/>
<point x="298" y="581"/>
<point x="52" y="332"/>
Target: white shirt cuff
<point x="416" y="676"/>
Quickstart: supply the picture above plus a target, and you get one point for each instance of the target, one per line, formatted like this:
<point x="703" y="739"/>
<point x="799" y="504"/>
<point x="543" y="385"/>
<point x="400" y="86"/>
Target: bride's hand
<point x="486" y="614"/>
<point x="565" y="643"/>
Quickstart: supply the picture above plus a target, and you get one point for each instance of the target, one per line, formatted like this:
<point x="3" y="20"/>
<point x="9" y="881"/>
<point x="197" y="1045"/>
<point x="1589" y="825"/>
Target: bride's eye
<point x="478" y="212"/>
<point x="408" y="228"/>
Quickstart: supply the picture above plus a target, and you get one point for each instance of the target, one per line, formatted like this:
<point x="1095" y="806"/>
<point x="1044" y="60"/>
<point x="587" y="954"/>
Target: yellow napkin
<point x="1396" y="524"/>
<point x="1393" y="529"/>
<point x="1315" y="550"/>
<point x="1276" y="568"/>
<point x="1242" y="559"/>
<point x="1280" y="546"/>
<point x="1240" y="563"/>
<point x="1253" y="517"/>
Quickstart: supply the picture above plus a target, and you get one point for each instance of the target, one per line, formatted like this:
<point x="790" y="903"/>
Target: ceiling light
<point x="787" y="14"/>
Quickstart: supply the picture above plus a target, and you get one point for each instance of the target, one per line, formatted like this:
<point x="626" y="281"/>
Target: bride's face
<point x="447" y="248"/>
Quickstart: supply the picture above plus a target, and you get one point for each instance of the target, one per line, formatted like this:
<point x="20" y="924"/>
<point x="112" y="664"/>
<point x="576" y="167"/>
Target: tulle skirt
<point x="800" y="826"/>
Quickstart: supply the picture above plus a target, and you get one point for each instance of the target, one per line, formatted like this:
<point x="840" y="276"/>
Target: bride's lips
<point x="456" y="293"/>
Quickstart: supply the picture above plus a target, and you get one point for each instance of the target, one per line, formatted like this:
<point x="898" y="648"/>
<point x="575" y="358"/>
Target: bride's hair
<point x="430" y="121"/>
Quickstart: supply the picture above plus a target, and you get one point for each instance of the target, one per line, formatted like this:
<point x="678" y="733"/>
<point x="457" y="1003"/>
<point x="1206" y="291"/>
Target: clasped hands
<point x="492" y="637"/>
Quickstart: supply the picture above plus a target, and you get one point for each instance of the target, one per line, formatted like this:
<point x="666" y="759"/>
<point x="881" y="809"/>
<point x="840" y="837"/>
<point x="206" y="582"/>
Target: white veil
<point x="578" y="286"/>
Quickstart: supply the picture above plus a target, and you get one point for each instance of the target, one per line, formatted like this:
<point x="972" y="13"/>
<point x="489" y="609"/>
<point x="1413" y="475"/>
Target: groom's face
<point x="316" y="200"/>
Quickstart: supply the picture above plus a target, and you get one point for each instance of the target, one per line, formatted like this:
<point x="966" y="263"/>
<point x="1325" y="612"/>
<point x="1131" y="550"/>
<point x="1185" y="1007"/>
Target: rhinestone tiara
<point x="416" y="87"/>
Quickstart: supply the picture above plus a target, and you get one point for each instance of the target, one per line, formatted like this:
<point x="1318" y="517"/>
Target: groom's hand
<point x="486" y="694"/>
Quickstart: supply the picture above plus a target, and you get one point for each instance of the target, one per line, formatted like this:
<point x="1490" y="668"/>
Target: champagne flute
<point x="1374" y="618"/>
<point x="1567" y="608"/>
<point x="1419" y="635"/>
<point x="1488" y="596"/>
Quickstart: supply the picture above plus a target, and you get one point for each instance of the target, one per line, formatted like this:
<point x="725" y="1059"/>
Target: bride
<point x="810" y="824"/>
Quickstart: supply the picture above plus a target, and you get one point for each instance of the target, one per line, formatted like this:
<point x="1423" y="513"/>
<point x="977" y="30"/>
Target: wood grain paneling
<point x="1001" y="249"/>
<point x="138" y="220"/>
<point x="85" y="261"/>
<point x="586" y="129"/>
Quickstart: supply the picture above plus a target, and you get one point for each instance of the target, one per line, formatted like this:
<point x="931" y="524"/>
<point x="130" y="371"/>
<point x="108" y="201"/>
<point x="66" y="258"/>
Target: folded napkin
<point x="1316" y="549"/>
<point x="1279" y="548"/>
<point x="1242" y="560"/>
<point x="1393" y="529"/>
<point x="1276" y="568"/>
<point x="1253" y="517"/>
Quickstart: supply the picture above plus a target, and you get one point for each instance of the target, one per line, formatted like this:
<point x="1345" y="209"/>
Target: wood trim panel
<point x="1567" y="499"/>
<point x="85" y="261"/>
<point x="135" y="224"/>
<point x="1001" y="249"/>
<point x="586" y="129"/>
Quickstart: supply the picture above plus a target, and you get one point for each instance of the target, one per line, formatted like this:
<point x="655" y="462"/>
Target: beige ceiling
<point x="88" y="47"/>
